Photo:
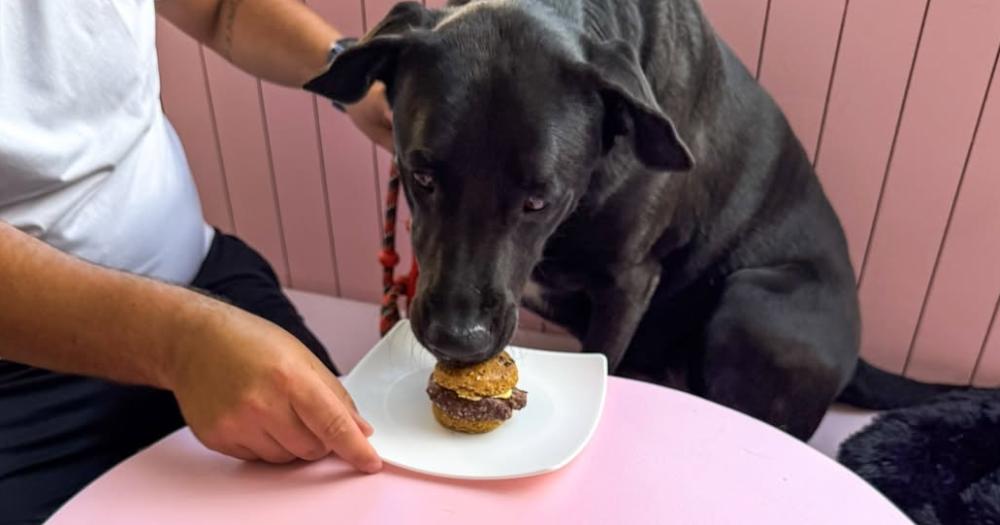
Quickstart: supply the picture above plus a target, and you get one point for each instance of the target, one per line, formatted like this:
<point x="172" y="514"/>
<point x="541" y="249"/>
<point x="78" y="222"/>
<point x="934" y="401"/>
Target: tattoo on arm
<point x="228" y="17"/>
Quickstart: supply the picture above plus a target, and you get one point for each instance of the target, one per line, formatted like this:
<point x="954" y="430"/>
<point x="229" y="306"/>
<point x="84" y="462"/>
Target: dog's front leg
<point x="617" y="309"/>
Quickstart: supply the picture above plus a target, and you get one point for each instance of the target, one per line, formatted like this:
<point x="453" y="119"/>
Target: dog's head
<point x="501" y="117"/>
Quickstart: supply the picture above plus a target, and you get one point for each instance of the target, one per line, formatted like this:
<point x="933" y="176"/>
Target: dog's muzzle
<point x="465" y="329"/>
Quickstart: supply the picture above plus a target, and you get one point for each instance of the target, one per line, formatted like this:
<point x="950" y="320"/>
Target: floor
<point x="350" y="328"/>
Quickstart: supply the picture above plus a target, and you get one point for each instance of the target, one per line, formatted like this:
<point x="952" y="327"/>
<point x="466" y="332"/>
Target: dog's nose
<point x="459" y="343"/>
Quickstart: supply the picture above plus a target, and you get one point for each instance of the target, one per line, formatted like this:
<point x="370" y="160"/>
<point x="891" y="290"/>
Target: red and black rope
<point x="393" y="287"/>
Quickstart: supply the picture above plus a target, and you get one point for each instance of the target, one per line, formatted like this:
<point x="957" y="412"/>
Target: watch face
<point x="345" y="43"/>
<point x="340" y="46"/>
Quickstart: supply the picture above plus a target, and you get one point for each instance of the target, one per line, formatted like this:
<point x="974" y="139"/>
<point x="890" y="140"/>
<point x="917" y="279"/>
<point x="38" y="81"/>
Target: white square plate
<point x="565" y="400"/>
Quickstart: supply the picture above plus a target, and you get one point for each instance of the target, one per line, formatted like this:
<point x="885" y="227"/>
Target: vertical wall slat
<point x="963" y="294"/>
<point x="353" y="206"/>
<point x="295" y="153"/>
<point x="187" y="105"/>
<point x="375" y="10"/>
<point x="350" y="179"/>
<point x="740" y="24"/>
<point x="237" y="107"/>
<point x="949" y="81"/>
<point x="873" y="67"/>
<point x="988" y="371"/>
<point x="798" y="58"/>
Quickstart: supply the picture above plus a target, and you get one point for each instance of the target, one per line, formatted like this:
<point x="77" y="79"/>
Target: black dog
<point x="696" y="250"/>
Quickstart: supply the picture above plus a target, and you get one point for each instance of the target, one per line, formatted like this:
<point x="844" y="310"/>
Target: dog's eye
<point x="535" y="204"/>
<point x="423" y="179"/>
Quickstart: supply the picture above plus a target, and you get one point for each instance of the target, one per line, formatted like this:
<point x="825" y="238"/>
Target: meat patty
<point x="485" y="409"/>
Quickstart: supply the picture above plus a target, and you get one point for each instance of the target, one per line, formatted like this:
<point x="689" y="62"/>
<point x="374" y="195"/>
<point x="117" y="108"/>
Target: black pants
<point x="59" y="432"/>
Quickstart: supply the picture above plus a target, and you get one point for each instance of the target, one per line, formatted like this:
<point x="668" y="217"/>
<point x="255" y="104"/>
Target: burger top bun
<point x="491" y="378"/>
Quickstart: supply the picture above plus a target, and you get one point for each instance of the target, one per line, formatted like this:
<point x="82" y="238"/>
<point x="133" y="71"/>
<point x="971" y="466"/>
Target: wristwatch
<point x="339" y="47"/>
<point x="336" y="49"/>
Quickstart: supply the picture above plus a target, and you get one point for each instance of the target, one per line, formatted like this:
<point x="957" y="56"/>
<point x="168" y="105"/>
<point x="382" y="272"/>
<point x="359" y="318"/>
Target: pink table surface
<point x="658" y="456"/>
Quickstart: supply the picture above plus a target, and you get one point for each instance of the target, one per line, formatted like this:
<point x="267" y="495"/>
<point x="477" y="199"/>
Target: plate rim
<point x="404" y="324"/>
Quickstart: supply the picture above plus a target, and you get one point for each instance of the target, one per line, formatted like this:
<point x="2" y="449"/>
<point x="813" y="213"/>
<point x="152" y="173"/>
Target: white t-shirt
<point x="88" y="162"/>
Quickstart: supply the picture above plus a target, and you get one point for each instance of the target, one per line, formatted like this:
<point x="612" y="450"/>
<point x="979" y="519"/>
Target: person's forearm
<point x="282" y="41"/>
<point x="66" y="315"/>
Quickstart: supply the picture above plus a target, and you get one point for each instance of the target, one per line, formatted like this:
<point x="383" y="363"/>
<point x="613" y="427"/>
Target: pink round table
<point x="658" y="456"/>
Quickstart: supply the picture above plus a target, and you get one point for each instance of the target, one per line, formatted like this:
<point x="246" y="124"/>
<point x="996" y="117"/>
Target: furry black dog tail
<point x="875" y="389"/>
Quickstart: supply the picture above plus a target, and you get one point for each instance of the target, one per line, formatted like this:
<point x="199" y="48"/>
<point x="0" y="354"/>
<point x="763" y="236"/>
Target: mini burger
<point x="476" y="399"/>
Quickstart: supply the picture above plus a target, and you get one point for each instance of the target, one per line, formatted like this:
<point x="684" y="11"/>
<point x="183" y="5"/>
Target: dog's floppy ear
<point x="374" y="57"/>
<point x="627" y="96"/>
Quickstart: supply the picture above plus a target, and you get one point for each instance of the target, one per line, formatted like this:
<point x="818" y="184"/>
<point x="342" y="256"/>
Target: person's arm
<point x="282" y="41"/>
<point x="246" y="387"/>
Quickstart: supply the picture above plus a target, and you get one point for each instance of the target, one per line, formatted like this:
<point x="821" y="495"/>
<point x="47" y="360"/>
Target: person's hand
<point x="250" y="390"/>
<point x="373" y="117"/>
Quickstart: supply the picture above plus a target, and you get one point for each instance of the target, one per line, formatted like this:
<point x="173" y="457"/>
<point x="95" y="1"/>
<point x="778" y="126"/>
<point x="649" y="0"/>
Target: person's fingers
<point x="338" y="389"/>
<point x="333" y="383"/>
<point x="366" y="428"/>
<point x="238" y="452"/>
<point x="345" y="397"/>
<point x="242" y="452"/>
<point x="264" y="446"/>
<point x="332" y="422"/>
<point x="294" y="436"/>
<point x="335" y="386"/>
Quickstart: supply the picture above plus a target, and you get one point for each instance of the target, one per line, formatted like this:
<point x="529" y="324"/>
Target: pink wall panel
<point x="741" y="25"/>
<point x="237" y="106"/>
<point x="873" y="67"/>
<point x="296" y="179"/>
<point x="966" y="283"/>
<point x="953" y="67"/>
<point x="189" y="108"/>
<point x="799" y="51"/>
<point x="350" y="179"/>
<point x="351" y="187"/>
<point x="375" y="10"/>
<point x="346" y="15"/>
<point x="293" y="138"/>
<point x="988" y="371"/>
